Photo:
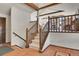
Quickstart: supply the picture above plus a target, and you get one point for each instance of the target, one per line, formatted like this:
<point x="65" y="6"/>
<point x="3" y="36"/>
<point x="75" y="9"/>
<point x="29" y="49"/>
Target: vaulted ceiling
<point x="38" y="6"/>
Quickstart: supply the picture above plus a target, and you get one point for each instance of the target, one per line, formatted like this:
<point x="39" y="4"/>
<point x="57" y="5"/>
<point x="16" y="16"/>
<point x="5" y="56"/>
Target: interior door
<point x="2" y="30"/>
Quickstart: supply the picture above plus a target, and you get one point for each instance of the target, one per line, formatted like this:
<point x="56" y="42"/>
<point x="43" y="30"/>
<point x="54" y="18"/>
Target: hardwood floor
<point x="50" y="51"/>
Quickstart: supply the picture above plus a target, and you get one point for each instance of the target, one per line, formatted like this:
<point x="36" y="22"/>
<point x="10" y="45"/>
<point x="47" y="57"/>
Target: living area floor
<point x="50" y="51"/>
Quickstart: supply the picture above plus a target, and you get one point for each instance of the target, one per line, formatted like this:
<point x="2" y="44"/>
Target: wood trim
<point x="60" y="47"/>
<point x="45" y="48"/>
<point x="17" y="46"/>
<point x="51" y="13"/>
<point x="48" y="23"/>
<point x="65" y="47"/>
<point x="32" y="6"/>
<point x="37" y="21"/>
<point x="64" y="16"/>
<point x="41" y="40"/>
<point x="40" y="46"/>
<point x="52" y="4"/>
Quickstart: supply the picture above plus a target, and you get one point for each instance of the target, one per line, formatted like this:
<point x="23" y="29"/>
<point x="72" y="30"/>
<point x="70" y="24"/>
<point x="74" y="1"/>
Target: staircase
<point x="35" y="42"/>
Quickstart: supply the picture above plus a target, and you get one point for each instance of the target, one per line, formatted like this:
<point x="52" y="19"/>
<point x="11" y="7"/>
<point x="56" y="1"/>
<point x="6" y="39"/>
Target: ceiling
<point x="39" y="5"/>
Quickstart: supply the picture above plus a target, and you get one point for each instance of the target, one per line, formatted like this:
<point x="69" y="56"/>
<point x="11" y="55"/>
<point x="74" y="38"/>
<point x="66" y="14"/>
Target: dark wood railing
<point x="65" y="24"/>
<point x="60" y="24"/>
<point x="30" y="33"/>
<point x="19" y="36"/>
<point x="43" y="35"/>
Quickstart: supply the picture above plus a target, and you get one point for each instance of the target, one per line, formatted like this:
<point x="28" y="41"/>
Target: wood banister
<point x="19" y="36"/>
<point x="27" y="41"/>
<point x="28" y="31"/>
<point x="43" y="35"/>
<point x="48" y="23"/>
<point x="40" y="43"/>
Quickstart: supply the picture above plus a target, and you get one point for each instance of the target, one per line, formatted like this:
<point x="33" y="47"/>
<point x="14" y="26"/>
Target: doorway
<point x="2" y="30"/>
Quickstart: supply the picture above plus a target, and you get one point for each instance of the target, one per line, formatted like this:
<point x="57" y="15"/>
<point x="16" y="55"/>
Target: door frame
<point x="4" y="18"/>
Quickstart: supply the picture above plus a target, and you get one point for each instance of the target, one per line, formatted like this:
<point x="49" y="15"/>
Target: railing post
<point x="40" y="42"/>
<point x="27" y="40"/>
<point x="48" y="23"/>
<point x="37" y="21"/>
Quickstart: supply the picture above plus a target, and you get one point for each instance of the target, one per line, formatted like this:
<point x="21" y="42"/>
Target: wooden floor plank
<point x="50" y="51"/>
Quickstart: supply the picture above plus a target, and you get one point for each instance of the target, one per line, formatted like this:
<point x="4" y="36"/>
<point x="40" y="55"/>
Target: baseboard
<point x="17" y="46"/>
<point x="45" y="48"/>
<point x="64" y="47"/>
<point x="60" y="47"/>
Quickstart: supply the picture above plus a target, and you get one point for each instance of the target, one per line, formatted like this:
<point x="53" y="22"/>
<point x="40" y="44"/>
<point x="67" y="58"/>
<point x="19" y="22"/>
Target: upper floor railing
<point x="43" y="35"/>
<point x="64" y="24"/>
<point x="30" y="33"/>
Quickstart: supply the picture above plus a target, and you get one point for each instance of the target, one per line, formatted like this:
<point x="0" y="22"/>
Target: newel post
<point x="40" y="40"/>
<point x="48" y="23"/>
<point x="27" y="40"/>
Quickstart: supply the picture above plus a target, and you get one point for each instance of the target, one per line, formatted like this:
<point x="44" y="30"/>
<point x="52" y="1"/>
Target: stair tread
<point x="34" y="47"/>
<point x="35" y="42"/>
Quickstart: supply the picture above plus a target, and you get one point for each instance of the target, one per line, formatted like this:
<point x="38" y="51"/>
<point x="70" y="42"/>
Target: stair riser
<point x="35" y="42"/>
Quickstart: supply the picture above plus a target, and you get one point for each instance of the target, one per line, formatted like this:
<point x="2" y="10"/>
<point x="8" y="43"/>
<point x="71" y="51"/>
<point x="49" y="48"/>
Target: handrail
<point x="64" y="16"/>
<point x="45" y="25"/>
<point x="31" y="27"/>
<point x="29" y="34"/>
<point x="43" y="36"/>
<point x="19" y="36"/>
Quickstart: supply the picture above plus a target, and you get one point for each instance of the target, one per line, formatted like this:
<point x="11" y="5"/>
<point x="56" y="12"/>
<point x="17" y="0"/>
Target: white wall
<point x="34" y="16"/>
<point x="69" y="40"/>
<point x="5" y="11"/>
<point x="69" y="8"/>
<point x="19" y="22"/>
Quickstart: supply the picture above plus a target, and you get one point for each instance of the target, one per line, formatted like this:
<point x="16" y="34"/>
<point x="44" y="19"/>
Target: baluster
<point x="51" y="24"/>
<point x="56" y="24"/>
<point x="48" y="23"/>
<point x="59" y="24"/>
<point x="68" y="25"/>
<point x="40" y="38"/>
<point x="71" y="24"/>
<point x="65" y="24"/>
<point x="75" y="24"/>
